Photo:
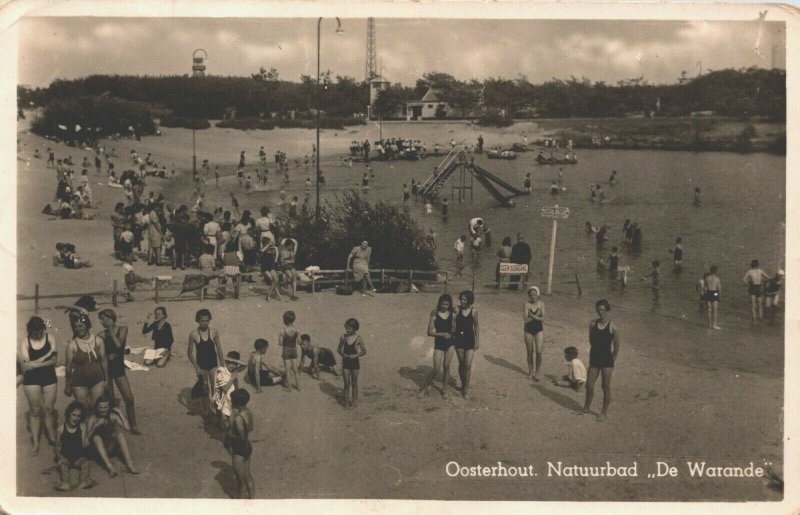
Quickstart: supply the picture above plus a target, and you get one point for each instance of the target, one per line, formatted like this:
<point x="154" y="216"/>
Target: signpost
<point x="555" y="213"/>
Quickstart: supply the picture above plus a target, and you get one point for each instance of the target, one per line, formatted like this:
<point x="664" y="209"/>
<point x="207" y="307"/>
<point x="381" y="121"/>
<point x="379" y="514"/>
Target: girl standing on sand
<point x="533" y="315"/>
<point x="205" y="353"/>
<point x="466" y="338"/>
<point x="441" y="326"/>
<point x="115" y="339"/>
<point x="86" y="363"/>
<point x="36" y="355"/>
<point x="604" y="342"/>
<point x="351" y="348"/>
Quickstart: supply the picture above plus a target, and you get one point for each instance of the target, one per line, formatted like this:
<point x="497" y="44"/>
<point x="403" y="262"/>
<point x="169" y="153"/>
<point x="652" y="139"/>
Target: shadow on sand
<point x="226" y="478"/>
<point x="503" y="363"/>
<point x="332" y="391"/>
<point x="558" y="398"/>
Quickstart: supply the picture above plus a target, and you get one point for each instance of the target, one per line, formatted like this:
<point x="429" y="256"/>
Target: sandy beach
<point x="681" y="392"/>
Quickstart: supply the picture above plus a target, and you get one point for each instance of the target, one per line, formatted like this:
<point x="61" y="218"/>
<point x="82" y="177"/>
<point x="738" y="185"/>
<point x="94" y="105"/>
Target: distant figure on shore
<point x="655" y="283"/>
<point x="677" y="254"/>
<point x="712" y="296"/>
<point x="612" y="180"/>
<point x="241" y="160"/>
<point x="459" y="248"/>
<point x="697" y="195"/>
<point x="772" y="290"/>
<point x="480" y="143"/>
<point x="445" y="208"/>
<point x="604" y="342"/>
<point x="521" y="255"/>
<point x="406" y="193"/>
<point x="528" y="183"/>
<point x="360" y="256"/>
<point x="754" y="279"/>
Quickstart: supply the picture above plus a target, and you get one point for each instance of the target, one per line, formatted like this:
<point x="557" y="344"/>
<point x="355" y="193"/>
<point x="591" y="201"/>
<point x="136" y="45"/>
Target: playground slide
<point x="486" y="183"/>
<point x="501" y="182"/>
<point x="441" y="177"/>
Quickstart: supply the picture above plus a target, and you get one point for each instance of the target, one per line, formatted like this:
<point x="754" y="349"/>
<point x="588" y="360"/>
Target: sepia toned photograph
<point x="443" y="258"/>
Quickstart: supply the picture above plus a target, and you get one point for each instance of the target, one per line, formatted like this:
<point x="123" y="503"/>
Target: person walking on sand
<point x="441" y="326"/>
<point x="467" y="339"/>
<point x="755" y="279"/>
<point x="360" y="266"/>
<point x="351" y="348"/>
<point x="604" y="342"/>
<point x="533" y="317"/>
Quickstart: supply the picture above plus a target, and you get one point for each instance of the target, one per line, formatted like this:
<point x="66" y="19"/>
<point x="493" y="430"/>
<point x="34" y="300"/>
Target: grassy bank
<point x="698" y="134"/>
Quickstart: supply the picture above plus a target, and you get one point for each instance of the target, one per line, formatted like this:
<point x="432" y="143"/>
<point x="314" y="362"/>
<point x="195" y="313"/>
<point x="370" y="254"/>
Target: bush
<point x="495" y="118"/>
<point x="395" y="237"/>
<point x="97" y="117"/>
<point x="184" y="123"/>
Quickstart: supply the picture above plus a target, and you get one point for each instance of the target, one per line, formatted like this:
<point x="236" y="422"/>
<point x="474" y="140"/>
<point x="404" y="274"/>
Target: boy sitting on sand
<point x="319" y="356"/>
<point x="258" y="372"/>
<point x="576" y="371"/>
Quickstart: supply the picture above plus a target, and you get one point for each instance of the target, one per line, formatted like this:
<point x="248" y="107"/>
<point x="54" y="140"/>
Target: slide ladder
<point x="436" y="177"/>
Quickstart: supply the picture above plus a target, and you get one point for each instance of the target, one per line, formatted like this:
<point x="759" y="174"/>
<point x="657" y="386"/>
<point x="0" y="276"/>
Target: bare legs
<point x="441" y="361"/>
<point x="350" y="387"/>
<point x="606" y="374"/>
<point x="41" y="399"/>
<point x="241" y="469"/>
<point x="712" y="314"/>
<point x="465" y="369"/>
<point x="290" y="365"/>
<point x="127" y="396"/>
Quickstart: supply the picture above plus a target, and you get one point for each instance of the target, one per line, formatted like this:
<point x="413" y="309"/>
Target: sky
<point x="601" y="50"/>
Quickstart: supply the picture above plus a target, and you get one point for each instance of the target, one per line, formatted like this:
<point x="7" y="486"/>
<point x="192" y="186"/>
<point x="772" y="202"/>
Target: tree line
<point x="743" y="93"/>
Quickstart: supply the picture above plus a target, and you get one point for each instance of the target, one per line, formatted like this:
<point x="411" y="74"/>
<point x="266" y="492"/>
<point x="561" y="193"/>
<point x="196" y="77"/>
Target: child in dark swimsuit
<point x="70" y="448"/>
<point x="351" y="348"/>
<point x="205" y="352"/>
<point x="258" y="372"/>
<point x="287" y="339"/>
<point x="115" y="339"/>
<point x="239" y="445"/>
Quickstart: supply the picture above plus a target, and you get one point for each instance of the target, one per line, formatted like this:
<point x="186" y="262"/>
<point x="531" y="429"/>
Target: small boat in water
<point x="501" y="154"/>
<point x="555" y="161"/>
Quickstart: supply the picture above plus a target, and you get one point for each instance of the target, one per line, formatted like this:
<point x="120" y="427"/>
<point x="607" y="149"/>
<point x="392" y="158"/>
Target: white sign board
<point x="555" y="212"/>
<point x="513" y="268"/>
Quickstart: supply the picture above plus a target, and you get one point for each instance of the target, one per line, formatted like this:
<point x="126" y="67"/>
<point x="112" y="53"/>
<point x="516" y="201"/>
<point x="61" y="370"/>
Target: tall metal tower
<point x="370" y="68"/>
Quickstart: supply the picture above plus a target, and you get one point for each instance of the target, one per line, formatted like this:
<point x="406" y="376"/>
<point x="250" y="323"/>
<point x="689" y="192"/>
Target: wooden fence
<point x="426" y="280"/>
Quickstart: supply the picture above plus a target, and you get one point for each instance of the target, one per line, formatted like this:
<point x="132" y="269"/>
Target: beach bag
<point x="344" y="289"/>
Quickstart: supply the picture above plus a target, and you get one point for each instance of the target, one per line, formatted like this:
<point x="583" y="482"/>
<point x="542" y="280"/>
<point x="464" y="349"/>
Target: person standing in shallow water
<point x="604" y="342"/>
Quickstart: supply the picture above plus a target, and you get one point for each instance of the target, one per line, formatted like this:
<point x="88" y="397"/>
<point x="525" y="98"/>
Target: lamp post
<point x="316" y="99"/>
<point x="198" y="70"/>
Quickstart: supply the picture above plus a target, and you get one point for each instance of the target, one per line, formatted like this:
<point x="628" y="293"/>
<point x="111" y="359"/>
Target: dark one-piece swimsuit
<point x="206" y="352"/>
<point x="443" y="325"/>
<point x="465" y="330"/>
<point x="115" y="356"/>
<point x="534" y="326"/>
<point x="240" y="445"/>
<point x="350" y="348"/>
<point x="42" y="376"/>
<point x="600" y="342"/>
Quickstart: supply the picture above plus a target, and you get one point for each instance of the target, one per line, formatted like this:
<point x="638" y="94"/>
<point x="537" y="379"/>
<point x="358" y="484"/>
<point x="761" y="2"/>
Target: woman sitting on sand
<point x="103" y="427"/>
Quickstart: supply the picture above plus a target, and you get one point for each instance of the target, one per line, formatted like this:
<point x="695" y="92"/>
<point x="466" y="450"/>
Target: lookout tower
<point x="199" y="63"/>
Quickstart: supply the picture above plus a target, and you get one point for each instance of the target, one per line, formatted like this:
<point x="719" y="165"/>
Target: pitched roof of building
<point x="432" y="96"/>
